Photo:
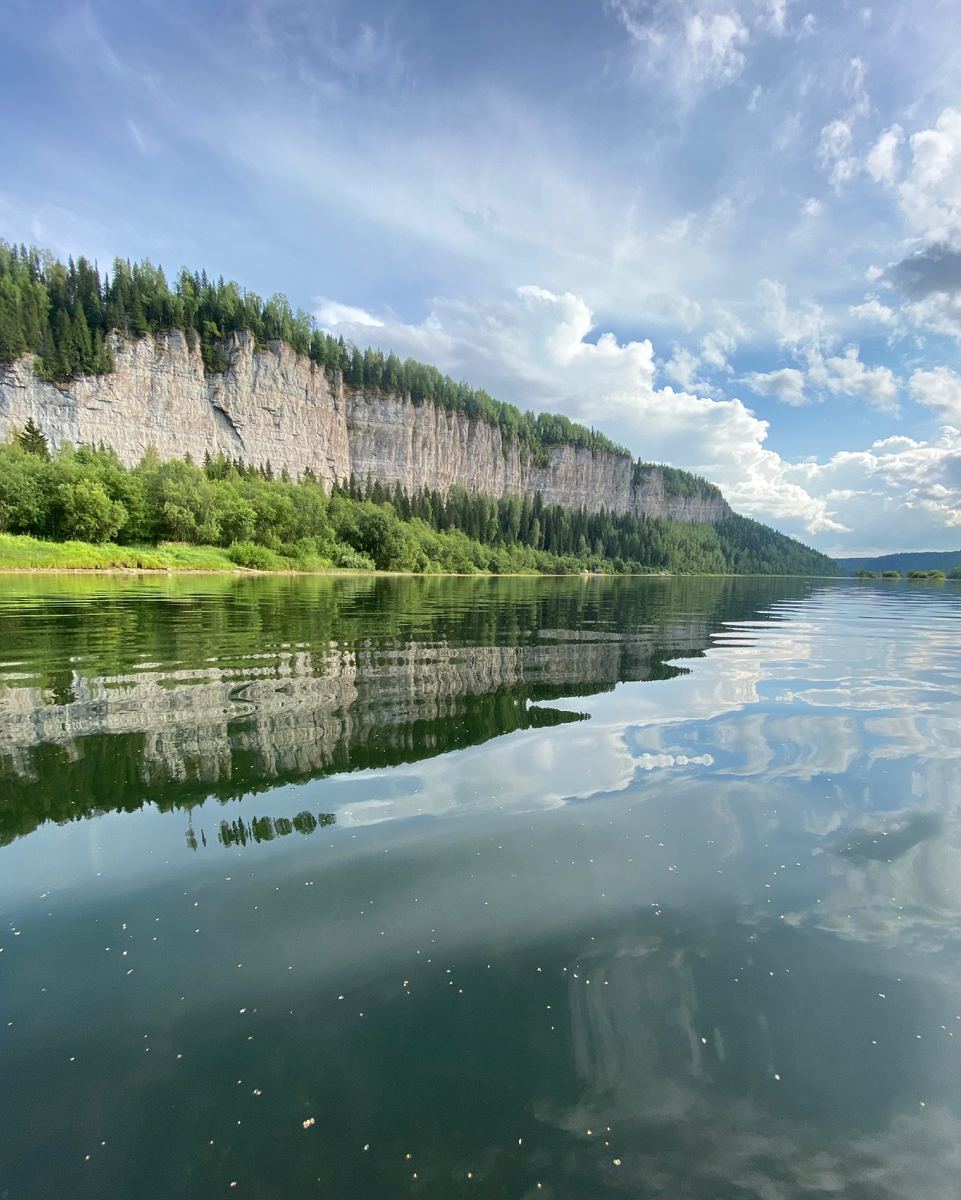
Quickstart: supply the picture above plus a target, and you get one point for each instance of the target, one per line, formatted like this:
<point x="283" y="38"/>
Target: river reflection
<point x="489" y="887"/>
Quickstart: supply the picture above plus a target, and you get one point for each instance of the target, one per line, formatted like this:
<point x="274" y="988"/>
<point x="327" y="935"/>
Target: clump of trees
<point x="266" y="521"/>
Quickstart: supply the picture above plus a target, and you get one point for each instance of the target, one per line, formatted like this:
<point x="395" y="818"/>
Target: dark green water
<point x="495" y="888"/>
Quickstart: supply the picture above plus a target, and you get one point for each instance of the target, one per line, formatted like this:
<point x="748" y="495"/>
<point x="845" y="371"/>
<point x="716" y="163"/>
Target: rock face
<point x="272" y="405"/>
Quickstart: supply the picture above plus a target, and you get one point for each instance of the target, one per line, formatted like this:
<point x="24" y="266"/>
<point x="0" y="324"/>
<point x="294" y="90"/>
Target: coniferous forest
<point x="65" y="314"/>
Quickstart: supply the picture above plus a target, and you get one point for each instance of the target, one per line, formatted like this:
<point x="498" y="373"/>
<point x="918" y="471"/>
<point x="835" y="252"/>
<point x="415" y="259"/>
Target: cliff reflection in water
<point x="116" y="694"/>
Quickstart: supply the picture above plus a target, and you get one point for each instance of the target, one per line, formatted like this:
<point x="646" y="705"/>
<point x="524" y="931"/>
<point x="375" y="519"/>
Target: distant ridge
<point x="909" y="560"/>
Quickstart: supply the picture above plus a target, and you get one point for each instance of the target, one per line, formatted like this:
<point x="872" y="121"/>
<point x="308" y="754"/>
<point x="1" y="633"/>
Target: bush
<point x="88" y="513"/>
<point x="347" y="557"/>
<point x="955" y="573"/>
<point x="254" y="556"/>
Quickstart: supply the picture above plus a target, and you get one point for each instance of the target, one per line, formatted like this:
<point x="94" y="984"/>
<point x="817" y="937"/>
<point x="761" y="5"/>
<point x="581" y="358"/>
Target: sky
<point x="725" y="232"/>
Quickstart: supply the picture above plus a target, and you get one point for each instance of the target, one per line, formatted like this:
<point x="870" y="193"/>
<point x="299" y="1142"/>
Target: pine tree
<point x="33" y="441"/>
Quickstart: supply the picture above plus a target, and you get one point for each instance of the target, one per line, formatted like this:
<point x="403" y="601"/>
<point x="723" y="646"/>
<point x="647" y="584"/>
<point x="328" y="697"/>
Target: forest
<point x="267" y="522"/>
<point x="65" y="315"/>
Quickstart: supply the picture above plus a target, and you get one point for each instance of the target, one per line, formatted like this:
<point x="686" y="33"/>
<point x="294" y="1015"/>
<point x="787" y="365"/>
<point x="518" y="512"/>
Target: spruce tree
<point x="33" y="441"/>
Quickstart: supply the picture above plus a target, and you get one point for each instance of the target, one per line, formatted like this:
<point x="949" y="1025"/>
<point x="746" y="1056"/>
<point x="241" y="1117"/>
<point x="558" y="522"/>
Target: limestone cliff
<point x="272" y="405"/>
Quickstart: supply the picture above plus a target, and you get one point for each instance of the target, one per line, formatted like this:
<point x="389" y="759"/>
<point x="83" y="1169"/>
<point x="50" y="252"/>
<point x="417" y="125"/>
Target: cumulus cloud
<point x="786" y="385"/>
<point x="882" y="160"/>
<point x="932" y="279"/>
<point x="809" y="333"/>
<point x="936" y="268"/>
<point x="873" y="310"/>
<point x="940" y="390"/>
<point x="940" y="312"/>
<point x="931" y="194"/>
<point x="901" y="492"/>
<point x="849" y="376"/>
<point x="930" y="201"/>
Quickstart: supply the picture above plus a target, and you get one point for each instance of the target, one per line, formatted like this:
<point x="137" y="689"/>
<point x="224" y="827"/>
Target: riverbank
<point x="20" y="552"/>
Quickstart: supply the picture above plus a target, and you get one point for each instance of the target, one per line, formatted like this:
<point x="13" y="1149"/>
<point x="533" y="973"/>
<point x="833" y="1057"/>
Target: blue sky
<point x="728" y="232"/>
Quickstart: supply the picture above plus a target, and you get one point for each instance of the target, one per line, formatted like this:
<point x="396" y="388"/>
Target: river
<point x="439" y="887"/>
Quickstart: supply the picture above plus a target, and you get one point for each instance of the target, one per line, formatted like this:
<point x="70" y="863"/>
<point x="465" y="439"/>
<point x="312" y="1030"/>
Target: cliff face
<point x="272" y="405"/>
<point x="267" y="406"/>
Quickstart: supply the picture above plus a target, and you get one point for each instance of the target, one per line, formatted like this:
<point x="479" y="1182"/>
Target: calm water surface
<point x="494" y="888"/>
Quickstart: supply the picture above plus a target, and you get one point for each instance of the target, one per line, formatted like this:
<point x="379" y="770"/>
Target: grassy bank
<point x="24" y="553"/>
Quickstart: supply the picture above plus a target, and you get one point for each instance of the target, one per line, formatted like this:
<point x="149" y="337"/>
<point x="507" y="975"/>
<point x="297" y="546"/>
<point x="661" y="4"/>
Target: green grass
<point x="19" y="552"/>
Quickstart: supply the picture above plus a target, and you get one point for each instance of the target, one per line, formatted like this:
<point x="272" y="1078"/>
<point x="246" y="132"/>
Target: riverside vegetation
<point x="80" y="507"/>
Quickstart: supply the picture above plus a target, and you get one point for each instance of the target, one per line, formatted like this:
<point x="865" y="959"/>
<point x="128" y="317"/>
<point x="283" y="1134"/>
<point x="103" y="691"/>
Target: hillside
<point x="209" y="372"/>
<point x="909" y="560"/>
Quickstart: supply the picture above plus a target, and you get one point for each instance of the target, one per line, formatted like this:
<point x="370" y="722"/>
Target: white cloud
<point x="787" y="385"/>
<point x="940" y="390"/>
<point x="812" y="207"/>
<point x="873" y="310"/>
<point x="931" y="193"/>
<point x="808" y="331"/>
<point x="901" y="492"/>
<point x="330" y="315"/>
<point x="941" y="311"/>
<point x="776" y="16"/>
<point x="683" y="367"/>
<point x="716" y="347"/>
<point x="882" y="160"/>
<point x="833" y="152"/>
<point x="849" y="376"/>
<point x="697" y="41"/>
<point x="833" y="156"/>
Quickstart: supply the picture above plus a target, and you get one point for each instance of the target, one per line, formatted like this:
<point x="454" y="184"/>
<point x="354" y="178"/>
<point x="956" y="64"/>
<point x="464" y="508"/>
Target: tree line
<point x="87" y="494"/>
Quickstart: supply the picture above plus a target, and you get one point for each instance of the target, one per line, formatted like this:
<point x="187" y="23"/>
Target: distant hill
<point x="910" y="560"/>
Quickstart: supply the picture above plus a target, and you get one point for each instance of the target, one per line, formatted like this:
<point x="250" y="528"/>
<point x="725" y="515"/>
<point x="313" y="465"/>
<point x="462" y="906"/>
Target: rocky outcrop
<point x="272" y="405"/>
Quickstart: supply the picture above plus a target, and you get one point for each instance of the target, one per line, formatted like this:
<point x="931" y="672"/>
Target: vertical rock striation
<point x="273" y="405"/>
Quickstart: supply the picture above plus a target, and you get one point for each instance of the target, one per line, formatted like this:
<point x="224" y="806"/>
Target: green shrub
<point x="348" y="558"/>
<point x="87" y="512"/>
<point x="252" y="555"/>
